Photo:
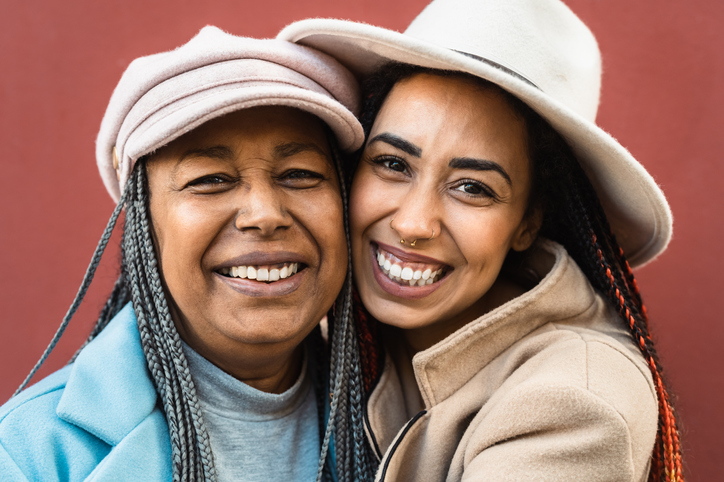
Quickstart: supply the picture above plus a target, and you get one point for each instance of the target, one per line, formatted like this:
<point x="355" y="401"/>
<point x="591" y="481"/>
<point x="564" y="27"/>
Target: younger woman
<point x="491" y="223"/>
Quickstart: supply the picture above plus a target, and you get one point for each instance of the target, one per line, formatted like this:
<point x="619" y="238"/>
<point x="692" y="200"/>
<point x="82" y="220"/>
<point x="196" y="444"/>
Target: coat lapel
<point x="110" y="394"/>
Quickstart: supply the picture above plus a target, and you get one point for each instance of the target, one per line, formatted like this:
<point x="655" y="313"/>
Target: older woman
<point x="206" y="363"/>
<point x="491" y="225"/>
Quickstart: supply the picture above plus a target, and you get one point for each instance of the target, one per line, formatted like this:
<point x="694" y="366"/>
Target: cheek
<point x="184" y="232"/>
<point x="323" y="217"/>
<point x="484" y="239"/>
<point x="368" y="202"/>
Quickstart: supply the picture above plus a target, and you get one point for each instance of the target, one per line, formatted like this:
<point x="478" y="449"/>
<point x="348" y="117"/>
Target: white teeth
<point x="407" y="275"/>
<point x="261" y="274"/>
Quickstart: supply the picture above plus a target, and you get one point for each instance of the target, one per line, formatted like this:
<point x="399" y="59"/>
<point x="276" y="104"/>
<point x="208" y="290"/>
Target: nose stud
<point x="402" y="240"/>
<point x="414" y="242"/>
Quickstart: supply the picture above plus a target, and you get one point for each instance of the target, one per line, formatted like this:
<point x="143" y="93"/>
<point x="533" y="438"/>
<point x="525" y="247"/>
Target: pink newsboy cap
<point x="163" y="96"/>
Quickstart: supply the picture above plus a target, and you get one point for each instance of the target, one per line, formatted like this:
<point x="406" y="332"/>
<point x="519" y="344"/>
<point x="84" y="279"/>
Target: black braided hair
<point x="338" y="376"/>
<point x="190" y="446"/>
<point x="354" y="456"/>
<point x="572" y="216"/>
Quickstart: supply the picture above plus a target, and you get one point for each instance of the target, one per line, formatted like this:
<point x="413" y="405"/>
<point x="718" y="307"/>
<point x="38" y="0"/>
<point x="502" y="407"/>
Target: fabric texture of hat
<point x="163" y="96"/>
<point x="539" y="51"/>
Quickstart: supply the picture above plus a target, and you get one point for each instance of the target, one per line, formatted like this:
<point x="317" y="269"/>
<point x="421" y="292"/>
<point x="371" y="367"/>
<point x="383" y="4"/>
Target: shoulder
<point x="592" y="354"/>
<point x="37" y="443"/>
<point x="577" y="399"/>
<point x="100" y="411"/>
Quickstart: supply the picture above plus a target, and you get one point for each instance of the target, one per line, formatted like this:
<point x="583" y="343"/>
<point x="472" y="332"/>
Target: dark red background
<point x="663" y="98"/>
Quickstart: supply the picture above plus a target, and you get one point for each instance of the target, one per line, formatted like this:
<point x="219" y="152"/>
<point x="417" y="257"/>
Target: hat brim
<point x="163" y="96"/>
<point x="172" y="122"/>
<point x="635" y="206"/>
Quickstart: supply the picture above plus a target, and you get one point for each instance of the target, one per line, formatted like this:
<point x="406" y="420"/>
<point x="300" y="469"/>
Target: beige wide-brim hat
<point x="163" y="96"/>
<point x="539" y="51"/>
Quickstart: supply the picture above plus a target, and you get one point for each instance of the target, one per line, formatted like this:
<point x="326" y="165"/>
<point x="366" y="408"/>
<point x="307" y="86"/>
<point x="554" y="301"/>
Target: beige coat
<point x="548" y="386"/>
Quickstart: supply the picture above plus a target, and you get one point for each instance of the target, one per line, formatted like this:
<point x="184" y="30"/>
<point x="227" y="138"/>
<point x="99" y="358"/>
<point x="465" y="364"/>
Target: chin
<point x="399" y="316"/>
<point x="268" y="330"/>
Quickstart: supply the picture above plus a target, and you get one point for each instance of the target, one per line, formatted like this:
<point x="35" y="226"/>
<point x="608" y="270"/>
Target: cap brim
<point x="635" y="206"/>
<point x="173" y="122"/>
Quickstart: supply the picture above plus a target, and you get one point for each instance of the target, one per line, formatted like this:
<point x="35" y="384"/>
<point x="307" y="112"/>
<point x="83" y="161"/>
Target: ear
<point x="527" y="231"/>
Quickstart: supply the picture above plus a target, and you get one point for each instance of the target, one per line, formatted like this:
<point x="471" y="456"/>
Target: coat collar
<point x="109" y="390"/>
<point x="444" y="368"/>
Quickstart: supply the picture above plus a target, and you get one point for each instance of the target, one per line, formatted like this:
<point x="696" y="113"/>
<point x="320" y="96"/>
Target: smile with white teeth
<point x="267" y="274"/>
<point x="408" y="274"/>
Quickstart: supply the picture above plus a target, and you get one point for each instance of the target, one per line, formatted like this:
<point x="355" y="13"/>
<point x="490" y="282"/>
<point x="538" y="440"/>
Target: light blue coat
<point x="96" y="419"/>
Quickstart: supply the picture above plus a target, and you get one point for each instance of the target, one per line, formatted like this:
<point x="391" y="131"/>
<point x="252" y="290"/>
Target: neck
<point x="264" y="368"/>
<point x="502" y="291"/>
<point x="268" y="367"/>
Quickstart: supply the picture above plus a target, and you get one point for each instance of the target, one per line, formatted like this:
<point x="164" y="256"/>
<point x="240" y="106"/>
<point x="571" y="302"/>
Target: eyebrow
<point x="398" y="142"/>
<point x="456" y="163"/>
<point x="479" y="165"/>
<point x="223" y="153"/>
<point x="289" y="149"/>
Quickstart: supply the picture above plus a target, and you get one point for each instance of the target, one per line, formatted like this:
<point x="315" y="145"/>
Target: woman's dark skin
<point x="257" y="187"/>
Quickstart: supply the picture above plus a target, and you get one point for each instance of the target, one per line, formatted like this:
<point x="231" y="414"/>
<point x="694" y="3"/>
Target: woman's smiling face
<point x="446" y="159"/>
<point x="248" y="225"/>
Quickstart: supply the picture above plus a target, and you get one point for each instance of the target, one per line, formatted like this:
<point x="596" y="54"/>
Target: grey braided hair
<point x="141" y="283"/>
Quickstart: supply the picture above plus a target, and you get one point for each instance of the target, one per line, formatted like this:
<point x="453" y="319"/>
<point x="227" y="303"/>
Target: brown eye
<point x="301" y="174"/>
<point x="392" y="163"/>
<point x="300" y="178"/>
<point x="395" y="165"/>
<point x="470" y="188"/>
<point x="211" y="184"/>
<point x="214" y="179"/>
<point x="475" y="189"/>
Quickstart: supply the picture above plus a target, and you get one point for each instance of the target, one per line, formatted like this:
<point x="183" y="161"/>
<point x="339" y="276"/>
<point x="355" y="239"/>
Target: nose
<point x="262" y="209"/>
<point x="417" y="218"/>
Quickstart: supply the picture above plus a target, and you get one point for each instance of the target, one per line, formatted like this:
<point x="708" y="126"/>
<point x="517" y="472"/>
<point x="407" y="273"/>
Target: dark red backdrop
<point x="663" y="98"/>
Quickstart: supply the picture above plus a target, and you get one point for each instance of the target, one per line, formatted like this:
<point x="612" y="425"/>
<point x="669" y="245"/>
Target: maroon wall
<point x="663" y="98"/>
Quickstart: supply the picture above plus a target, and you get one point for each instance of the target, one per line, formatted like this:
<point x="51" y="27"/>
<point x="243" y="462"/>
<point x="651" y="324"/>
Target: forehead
<point x="424" y="99"/>
<point x="257" y="128"/>
<point x="454" y="116"/>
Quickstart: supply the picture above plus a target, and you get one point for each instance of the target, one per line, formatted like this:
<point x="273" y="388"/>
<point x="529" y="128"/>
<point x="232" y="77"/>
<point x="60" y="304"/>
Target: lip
<point x="407" y="256"/>
<point x="260" y="258"/>
<point x="259" y="289"/>
<point x="394" y="289"/>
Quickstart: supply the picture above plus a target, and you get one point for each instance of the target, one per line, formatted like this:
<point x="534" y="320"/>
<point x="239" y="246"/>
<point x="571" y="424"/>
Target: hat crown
<point x="542" y="41"/>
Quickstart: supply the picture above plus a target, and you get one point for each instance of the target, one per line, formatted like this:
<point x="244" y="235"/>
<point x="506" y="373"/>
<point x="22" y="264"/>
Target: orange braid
<point x="666" y="465"/>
